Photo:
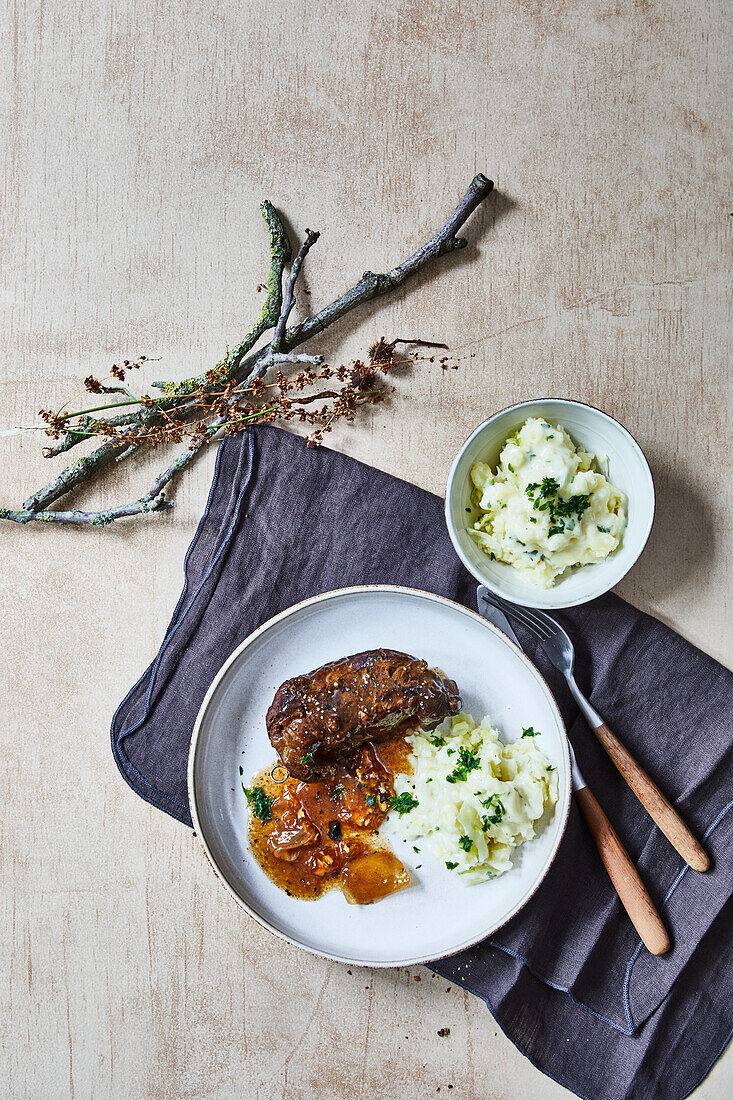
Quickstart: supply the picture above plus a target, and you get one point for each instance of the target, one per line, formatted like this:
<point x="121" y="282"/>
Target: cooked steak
<point x="317" y="720"/>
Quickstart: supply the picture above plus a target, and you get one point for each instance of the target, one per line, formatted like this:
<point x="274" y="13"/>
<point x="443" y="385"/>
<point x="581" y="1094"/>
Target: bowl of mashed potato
<point x="549" y="503"/>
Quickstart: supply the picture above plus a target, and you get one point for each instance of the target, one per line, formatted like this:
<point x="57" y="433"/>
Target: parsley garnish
<point x="403" y="803"/>
<point x="306" y="758"/>
<point x="606" y="530"/>
<point x="529" y="732"/>
<point x="466" y="843"/>
<point x="540" y="494"/>
<point x="260" y="803"/>
<point x="494" y="804"/>
<point x="563" y="513"/>
<point x="450" y="866"/>
<point x="437" y="741"/>
<point x="468" y="761"/>
<point x="371" y="800"/>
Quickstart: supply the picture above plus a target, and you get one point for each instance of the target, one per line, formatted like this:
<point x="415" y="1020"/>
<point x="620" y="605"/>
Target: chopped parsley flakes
<point x="496" y="809"/>
<point x="530" y="732"/>
<point x="260" y="803"/>
<point x="563" y="513"/>
<point x="403" y="803"/>
<point x="466" y="843"/>
<point x="468" y="761"/>
<point x="450" y="866"/>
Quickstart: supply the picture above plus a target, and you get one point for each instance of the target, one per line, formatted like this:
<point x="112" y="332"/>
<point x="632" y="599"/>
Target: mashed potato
<point x="546" y="508"/>
<point x="472" y="799"/>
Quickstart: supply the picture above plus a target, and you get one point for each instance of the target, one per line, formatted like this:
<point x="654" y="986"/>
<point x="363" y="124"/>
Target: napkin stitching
<point x="632" y="1028"/>
<point x="668" y="895"/>
<point x="559" y="988"/>
<point x="176" y="621"/>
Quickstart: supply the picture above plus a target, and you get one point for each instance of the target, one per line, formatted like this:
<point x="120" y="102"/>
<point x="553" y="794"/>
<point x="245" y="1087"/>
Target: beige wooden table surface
<point x="138" y="139"/>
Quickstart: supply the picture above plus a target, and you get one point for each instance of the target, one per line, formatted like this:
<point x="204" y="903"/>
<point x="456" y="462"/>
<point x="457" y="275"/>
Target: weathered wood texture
<point x="138" y="139"/>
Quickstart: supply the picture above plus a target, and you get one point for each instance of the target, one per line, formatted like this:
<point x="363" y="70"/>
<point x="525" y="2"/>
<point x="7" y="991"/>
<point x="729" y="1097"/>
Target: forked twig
<point x="239" y="370"/>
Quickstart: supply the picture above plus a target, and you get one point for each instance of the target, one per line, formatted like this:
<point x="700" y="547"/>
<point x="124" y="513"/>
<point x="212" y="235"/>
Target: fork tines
<point x="534" y="620"/>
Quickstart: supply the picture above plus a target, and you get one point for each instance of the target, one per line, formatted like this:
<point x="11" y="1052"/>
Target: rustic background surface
<point x="138" y="139"/>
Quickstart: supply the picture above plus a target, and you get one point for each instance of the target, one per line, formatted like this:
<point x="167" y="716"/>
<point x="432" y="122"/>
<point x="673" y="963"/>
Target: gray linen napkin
<point x="567" y="979"/>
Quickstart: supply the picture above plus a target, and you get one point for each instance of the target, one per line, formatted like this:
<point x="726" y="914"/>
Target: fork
<point x="626" y="880"/>
<point x="561" y="652"/>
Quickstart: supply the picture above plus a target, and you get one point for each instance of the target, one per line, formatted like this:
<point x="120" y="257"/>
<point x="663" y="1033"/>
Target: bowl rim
<point x="564" y="810"/>
<point x="488" y="581"/>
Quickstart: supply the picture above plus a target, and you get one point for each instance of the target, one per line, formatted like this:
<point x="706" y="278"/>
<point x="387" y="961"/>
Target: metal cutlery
<point x="560" y="651"/>
<point x="627" y="882"/>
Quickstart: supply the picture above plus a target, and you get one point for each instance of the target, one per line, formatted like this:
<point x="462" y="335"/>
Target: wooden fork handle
<point x="624" y="875"/>
<point x="657" y="806"/>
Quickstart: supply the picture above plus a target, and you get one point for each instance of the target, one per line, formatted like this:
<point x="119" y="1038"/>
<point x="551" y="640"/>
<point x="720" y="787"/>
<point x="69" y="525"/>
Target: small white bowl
<point x="627" y="469"/>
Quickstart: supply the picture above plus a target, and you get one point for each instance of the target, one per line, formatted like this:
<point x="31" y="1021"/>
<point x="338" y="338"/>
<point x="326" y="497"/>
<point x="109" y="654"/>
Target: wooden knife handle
<point x="657" y="806"/>
<point x="624" y="875"/>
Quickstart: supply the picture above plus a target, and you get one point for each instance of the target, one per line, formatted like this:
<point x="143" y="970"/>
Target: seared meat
<point x="317" y="720"/>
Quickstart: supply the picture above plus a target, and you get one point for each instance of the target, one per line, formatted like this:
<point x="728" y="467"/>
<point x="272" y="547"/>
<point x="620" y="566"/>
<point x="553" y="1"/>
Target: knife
<point x="627" y="882"/>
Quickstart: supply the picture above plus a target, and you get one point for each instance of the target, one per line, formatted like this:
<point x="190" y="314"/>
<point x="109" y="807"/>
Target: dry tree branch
<point x="78" y="471"/>
<point x="373" y="286"/>
<point x="153" y="500"/>
<point x="289" y="293"/>
<point x="241" y="366"/>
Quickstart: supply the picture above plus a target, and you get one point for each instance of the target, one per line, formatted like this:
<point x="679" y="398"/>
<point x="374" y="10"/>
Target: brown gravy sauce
<point x="324" y="834"/>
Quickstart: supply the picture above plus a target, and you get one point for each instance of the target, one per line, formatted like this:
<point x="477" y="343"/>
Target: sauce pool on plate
<point x="312" y="837"/>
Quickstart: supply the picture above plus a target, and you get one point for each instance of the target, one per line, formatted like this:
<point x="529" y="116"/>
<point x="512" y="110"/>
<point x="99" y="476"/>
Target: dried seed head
<point x="362" y="377"/>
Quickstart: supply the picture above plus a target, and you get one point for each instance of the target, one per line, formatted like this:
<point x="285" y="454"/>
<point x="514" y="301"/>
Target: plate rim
<point x="338" y="593"/>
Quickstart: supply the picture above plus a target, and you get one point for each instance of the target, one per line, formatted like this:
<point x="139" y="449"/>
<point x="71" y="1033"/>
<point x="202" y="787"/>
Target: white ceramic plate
<point x="436" y="915"/>
<point x="627" y="469"/>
